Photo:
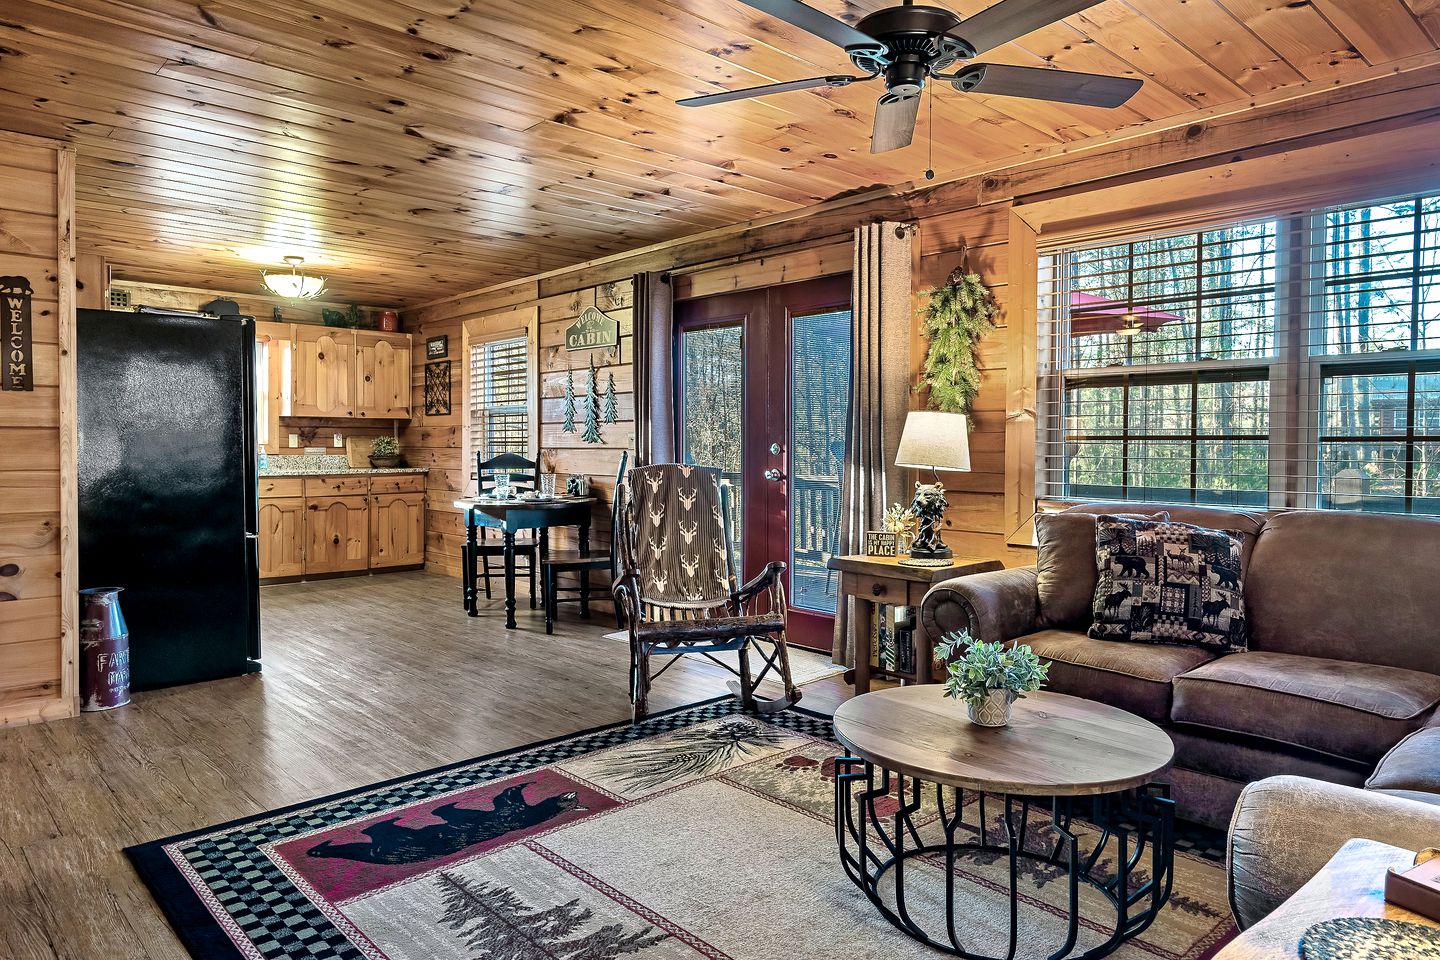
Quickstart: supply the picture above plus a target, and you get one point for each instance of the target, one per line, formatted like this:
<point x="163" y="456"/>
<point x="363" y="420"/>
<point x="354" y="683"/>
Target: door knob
<point x="774" y="449"/>
<point x="773" y="474"/>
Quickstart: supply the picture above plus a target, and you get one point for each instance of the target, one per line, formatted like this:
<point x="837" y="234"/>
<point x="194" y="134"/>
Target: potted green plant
<point x="989" y="677"/>
<point x="385" y="452"/>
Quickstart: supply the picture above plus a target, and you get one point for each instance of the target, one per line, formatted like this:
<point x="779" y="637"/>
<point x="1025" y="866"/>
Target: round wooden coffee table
<point x="1063" y="758"/>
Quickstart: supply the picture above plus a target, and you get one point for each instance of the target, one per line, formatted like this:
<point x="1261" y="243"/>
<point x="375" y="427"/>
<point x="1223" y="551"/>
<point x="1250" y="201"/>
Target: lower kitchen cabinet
<point x="338" y="534"/>
<point x="282" y="537"/>
<point x="397" y="530"/>
<point x="343" y="524"/>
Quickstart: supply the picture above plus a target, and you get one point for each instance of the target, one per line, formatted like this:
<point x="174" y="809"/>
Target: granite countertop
<point x="324" y="464"/>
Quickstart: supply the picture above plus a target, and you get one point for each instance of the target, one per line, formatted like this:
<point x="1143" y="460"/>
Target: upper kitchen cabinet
<point x="363" y="374"/>
<point x="382" y="375"/>
<point x="324" y="372"/>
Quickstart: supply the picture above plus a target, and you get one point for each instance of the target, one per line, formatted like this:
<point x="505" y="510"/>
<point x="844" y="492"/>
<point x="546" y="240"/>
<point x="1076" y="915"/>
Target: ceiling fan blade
<point x="1009" y="19"/>
<point x="725" y="96"/>
<point x="1061" y="86"/>
<point x="814" y="21"/>
<point x="894" y="123"/>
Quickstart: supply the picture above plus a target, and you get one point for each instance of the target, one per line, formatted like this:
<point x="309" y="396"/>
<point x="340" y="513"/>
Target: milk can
<point x="104" y="650"/>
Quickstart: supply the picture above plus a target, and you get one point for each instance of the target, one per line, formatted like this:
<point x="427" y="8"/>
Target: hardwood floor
<point x="365" y="679"/>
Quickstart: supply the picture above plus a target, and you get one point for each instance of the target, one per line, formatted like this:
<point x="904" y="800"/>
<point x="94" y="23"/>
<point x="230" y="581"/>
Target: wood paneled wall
<point x="38" y="600"/>
<point x="1374" y="132"/>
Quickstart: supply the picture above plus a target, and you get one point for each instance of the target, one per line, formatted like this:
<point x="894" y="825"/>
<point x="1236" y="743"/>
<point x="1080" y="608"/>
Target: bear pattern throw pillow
<point x="1168" y="582"/>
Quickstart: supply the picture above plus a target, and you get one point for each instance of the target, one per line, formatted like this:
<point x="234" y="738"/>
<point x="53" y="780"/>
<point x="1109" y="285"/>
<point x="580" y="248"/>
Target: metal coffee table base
<point x="1137" y="825"/>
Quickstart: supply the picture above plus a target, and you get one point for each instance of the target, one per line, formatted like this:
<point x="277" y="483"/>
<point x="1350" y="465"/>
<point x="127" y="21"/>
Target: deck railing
<point x="815" y="537"/>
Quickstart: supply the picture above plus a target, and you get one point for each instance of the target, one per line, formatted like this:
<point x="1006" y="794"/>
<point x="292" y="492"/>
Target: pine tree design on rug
<point x="696" y="752"/>
<point x="493" y="920"/>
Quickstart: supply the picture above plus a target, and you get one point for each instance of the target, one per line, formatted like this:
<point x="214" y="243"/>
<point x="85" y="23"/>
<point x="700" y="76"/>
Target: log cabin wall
<point x="38" y="600"/>
<point x="312" y="431"/>
<point x="1327" y="145"/>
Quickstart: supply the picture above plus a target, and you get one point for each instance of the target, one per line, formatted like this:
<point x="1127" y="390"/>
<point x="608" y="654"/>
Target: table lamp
<point x="932" y="441"/>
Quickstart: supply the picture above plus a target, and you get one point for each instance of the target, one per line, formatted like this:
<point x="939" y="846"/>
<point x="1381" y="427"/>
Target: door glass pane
<point x="712" y="411"/>
<point x="820" y="406"/>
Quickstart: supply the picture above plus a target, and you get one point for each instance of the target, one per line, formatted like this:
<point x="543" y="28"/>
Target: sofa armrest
<point x="999" y="605"/>
<point x="1286" y="828"/>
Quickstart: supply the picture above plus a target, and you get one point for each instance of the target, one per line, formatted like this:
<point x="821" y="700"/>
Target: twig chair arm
<point x="763" y="581"/>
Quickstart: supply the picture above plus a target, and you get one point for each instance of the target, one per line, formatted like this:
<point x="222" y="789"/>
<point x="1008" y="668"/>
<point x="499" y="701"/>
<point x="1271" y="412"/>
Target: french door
<point x="763" y="393"/>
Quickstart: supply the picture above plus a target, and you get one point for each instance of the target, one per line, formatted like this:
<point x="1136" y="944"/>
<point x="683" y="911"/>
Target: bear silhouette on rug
<point x="459" y="828"/>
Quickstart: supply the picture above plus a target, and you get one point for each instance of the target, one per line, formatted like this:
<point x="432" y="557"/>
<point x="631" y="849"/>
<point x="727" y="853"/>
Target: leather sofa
<point x="1341" y="681"/>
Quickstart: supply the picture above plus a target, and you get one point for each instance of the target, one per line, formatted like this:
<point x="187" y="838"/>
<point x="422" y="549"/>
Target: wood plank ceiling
<point x="415" y="149"/>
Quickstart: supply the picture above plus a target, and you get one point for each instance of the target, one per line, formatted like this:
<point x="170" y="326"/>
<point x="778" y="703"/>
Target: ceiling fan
<point x="909" y="44"/>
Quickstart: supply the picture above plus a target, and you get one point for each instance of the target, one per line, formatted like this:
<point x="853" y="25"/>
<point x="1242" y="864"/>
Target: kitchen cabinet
<point x="358" y="374"/>
<point x="397" y="530"/>
<point x="337" y="534"/>
<point x="382" y="375"/>
<point x="281" y="522"/>
<point x="323" y="371"/>
<point x="341" y="523"/>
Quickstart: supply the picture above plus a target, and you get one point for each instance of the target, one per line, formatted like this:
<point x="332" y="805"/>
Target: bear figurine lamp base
<point x="932" y="441"/>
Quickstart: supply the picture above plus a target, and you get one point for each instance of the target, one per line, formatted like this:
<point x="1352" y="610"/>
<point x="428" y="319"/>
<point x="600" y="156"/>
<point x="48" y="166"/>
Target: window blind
<point x="499" y="397"/>
<point x="1283" y="362"/>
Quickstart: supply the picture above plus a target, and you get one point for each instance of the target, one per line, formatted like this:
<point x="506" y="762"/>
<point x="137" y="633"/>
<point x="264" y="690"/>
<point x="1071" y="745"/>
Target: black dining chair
<point x="524" y="476"/>
<point x="581" y="562"/>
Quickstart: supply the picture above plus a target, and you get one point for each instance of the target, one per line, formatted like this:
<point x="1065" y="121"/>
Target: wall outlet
<point x="294" y="440"/>
<point x="339" y="440"/>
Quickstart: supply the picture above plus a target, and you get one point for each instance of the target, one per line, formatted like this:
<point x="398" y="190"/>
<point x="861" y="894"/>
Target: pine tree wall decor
<point x="612" y="413"/>
<point x="569" y="425"/>
<point x="592" y="409"/>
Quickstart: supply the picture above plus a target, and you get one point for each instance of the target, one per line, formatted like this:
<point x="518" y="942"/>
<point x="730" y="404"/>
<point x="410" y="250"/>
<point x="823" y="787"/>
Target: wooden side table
<point x="873" y="580"/>
<point x="1352" y="884"/>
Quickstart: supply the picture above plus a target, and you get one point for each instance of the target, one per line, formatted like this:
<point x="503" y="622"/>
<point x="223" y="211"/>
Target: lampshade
<point x="935" y="441"/>
<point x="294" y="285"/>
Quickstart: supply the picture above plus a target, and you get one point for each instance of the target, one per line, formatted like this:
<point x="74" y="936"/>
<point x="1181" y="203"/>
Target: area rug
<point x="701" y="832"/>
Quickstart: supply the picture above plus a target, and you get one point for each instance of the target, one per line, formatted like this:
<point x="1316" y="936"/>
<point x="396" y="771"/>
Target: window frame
<point x="1297" y="359"/>
<point x="476" y="433"/>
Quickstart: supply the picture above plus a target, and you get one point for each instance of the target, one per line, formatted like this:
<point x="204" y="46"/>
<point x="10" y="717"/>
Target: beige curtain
<point x="879" y="391"/>
<point x="654" y="331"/>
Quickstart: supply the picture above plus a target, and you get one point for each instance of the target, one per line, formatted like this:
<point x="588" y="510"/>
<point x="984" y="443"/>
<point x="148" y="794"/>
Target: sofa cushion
<point x="1168" y="582"/>
<point x="1348" y="586"/>
<point x="1132" y="676"/>
<point x="1352" y="710"/>
<point x="1065" y="565"/>
<point x="1412" y="764"/>
<point x="1419" y="796"/>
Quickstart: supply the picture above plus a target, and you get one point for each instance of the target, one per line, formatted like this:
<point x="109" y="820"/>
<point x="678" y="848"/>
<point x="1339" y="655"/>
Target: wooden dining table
<point x="509" y="517"/>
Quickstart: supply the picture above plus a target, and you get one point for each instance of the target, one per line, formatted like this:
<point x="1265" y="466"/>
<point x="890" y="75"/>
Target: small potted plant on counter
<point x="384" y="452"/>
<point x="989" y="677"/>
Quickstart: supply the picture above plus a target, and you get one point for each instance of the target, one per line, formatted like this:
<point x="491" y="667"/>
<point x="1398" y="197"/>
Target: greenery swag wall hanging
<point x="958" y="315"/>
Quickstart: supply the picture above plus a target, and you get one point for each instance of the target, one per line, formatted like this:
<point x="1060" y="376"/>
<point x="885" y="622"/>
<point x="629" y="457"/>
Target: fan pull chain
<point x="930" y="156"/>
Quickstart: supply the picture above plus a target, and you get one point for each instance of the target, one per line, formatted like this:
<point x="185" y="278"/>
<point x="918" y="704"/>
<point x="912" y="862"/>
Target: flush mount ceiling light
<point x="294" y="285"/>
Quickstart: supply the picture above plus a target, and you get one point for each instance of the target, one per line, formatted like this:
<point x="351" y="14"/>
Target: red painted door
<point x="762" y="393"/>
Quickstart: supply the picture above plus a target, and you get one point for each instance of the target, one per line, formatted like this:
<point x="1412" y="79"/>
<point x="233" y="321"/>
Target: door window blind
<point x="1284" y="362"/>
<point x="499" y="397"/>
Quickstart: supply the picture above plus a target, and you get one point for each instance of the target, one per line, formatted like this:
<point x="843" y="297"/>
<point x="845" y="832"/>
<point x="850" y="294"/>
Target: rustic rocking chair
<point x="676" y="589"/>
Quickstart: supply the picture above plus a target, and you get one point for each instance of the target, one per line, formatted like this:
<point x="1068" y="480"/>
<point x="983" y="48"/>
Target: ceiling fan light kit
<point x="908" y="45"/>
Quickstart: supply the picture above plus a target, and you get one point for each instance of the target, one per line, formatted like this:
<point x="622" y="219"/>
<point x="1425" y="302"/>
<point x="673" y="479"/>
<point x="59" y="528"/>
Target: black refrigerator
<point x="166" y="466"/>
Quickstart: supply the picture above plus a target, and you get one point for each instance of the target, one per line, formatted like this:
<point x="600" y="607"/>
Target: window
<point x="499" y="397"/>
<point x="1280" y="362"/>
